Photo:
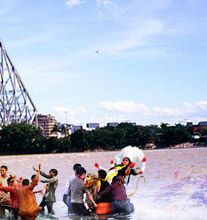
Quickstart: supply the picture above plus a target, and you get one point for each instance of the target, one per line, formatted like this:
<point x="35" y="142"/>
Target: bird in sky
<point x="97" y="51"/>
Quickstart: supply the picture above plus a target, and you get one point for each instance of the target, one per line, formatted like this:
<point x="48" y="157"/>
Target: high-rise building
<point x="46" y="123"/>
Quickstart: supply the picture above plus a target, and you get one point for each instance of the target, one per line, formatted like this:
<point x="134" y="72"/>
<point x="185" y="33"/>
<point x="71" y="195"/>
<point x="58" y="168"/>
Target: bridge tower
<point x="15" y="103"/>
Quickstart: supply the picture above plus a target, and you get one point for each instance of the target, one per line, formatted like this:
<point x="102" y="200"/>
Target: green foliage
<point x="26" y="139"/>
<point x="20" y="138"/>
<point x="79" y="141"/>
<point x="54" y="145"/>
<point x="173" y="135"/>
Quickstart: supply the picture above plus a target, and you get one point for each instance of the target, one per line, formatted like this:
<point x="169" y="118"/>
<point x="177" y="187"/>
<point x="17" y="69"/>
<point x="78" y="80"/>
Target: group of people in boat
<point x="18" y="195"/>
<point x="101" y="196"/>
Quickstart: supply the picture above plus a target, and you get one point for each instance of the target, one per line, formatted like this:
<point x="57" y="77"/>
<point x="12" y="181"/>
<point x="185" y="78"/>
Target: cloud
<point x="130" y="110"/>
<point x="72" y="3"/>
<point x="127" y="107"/>
<point x="123" y="111"/>
<point x="108" y="6"/>
<point x="186" y="110"/>
<point x="167" y="111"/>
<point x="202" y="105"/>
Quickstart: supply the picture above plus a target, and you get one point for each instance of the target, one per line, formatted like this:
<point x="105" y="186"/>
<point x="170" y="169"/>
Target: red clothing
<point x="13" y="195"/>
<point x="117" y="190"/>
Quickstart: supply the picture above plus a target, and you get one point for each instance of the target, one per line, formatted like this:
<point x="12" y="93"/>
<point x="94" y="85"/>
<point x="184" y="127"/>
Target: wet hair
<point x="33" y="176"/>
<point x="80" y="171"/>
<point x="5" y="167"/>
<point x="117" y="179"/>
<point x="102" y="174"/>
<point x="10" y="179"/>
<point x="25" y="182"/>
<point x="54" y="171"/>
<point x="75" y="167"/>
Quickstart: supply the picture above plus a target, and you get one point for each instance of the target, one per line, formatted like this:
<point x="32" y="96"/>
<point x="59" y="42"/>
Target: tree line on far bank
<point x="23" y="138"/>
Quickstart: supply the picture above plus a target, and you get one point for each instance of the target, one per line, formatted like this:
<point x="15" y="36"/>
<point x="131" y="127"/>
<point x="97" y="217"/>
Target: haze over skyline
<point x="110" y="60"/>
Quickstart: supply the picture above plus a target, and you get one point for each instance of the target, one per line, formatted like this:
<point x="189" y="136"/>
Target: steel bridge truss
<point x="15" y="102"/>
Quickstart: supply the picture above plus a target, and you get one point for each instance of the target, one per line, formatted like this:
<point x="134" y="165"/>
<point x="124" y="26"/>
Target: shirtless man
<point x="3" y="182"/>
<point x="4" y="176"/>
<point x="28" y="208"/>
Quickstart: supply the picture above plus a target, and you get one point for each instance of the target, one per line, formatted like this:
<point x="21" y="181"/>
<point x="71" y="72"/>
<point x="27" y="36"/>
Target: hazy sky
<point x="151" y="65"/>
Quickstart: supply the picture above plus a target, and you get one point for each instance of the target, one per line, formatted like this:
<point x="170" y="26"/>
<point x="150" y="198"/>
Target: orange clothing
<point x="104" y="208"/>
<point x="28" y="208"/>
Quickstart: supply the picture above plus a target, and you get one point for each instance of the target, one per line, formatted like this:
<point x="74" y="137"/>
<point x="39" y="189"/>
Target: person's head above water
<point x="75" y="167"/>
<point x="102" y="174"/>
<point x="4" y="170"/>
<point x="10" y="181"/>
<point x="25" y="182"/>
<point x="81" y="173"/>
<point x="117" y="179"/>
<point x="53" y="172"/>
<point x="33" y="176"/>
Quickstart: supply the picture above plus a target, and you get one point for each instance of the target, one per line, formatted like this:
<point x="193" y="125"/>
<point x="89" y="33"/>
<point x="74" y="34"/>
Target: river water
<point x="175" y="187"/>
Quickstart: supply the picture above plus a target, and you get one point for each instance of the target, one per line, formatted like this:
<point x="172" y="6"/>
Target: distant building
<point x="76" y="127"/>
<point x="64" y="130"/>
<point x="196" y="128"/>
<point x="92" y="125"/>
<point x="200" y="126"/>
<point x="112" y="124"/>
<point x="46" y="123"/>
<point x="202" y="123"/>
<point x="133" y="123"/>
<point x="189" y="124"/>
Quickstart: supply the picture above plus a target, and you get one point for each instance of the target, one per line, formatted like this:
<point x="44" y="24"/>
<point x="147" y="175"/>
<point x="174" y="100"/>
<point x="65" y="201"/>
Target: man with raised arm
<point x="28" y="208"/>
<point x="52" y="180"/>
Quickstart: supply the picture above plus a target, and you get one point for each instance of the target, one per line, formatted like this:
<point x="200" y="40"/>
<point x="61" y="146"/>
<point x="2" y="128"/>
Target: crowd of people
<point x="18" y="195"/>
<point x="101" y="196"/>
<point x="105" y="193"/>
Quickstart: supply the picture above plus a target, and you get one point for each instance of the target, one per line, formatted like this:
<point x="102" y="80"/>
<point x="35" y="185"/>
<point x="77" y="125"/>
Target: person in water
<point x="4" y="176"/>
<point x="28" y="207"/>
<point x="38" y="191"/>
<point x="101" y="185"/>
<point x="104" y="205"/>
<point x="120" y="202"/>
<point x="53" y="182"/>
<point x="66" y="196"/>
<point x="77" y="190"/>
<point x="124" y="169"/>
<point x="13" y="195"/>
<point x="3" y="181"/>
